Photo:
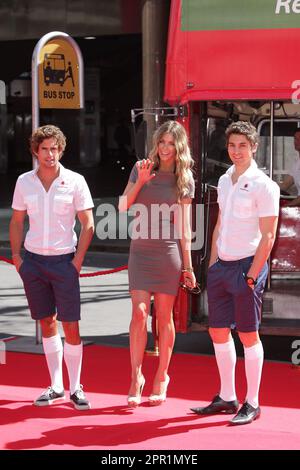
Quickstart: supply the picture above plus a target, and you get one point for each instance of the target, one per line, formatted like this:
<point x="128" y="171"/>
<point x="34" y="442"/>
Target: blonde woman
<point x="162" y="187"/>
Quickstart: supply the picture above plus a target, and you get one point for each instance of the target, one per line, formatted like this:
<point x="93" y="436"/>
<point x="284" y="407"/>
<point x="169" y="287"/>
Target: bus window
<point x="217" y="161"/>
<point x="221" y="114"/>
<point x="284" y="150"/>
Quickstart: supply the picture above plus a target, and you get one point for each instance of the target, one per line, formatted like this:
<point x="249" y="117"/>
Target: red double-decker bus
<point x="229" y="61"/>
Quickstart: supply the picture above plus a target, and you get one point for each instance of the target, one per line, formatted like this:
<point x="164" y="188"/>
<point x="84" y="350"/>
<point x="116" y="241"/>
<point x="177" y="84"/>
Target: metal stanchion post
<point x="154" y="327"/>
<point x="38" y="333"/>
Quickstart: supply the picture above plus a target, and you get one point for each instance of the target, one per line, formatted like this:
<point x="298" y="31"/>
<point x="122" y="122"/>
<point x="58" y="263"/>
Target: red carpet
<point x="111" y="425"/>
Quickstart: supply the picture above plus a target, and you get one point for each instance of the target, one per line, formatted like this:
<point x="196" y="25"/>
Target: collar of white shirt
<point x="63" y="174"/>
<point x="247" y="174"/>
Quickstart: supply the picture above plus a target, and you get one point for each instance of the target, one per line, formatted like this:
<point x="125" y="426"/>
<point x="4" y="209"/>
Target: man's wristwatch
<point x="250" y="281"/>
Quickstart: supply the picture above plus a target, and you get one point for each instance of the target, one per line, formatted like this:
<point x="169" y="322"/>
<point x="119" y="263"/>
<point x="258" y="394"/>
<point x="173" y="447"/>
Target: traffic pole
<point x="35" y="99"/>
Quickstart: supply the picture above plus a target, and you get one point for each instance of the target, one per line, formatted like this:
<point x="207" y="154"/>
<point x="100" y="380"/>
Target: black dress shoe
<point x="246" y="415"/>
<point x="218" y="406"/>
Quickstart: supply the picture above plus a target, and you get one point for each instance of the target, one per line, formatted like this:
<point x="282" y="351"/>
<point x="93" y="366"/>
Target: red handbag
<point x="180" y="309"/>
<point x="182" y="306"/>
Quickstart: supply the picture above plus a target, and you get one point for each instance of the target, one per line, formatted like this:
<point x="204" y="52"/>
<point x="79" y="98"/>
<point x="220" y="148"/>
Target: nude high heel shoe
<point x="155" y="400"/>
<point x="135" y="400"/>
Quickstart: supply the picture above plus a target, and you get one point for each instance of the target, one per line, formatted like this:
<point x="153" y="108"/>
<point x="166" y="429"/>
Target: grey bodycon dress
<point x="155" y="253"/>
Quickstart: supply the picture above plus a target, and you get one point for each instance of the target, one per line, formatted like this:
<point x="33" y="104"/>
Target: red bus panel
<point x="224" y="60"/>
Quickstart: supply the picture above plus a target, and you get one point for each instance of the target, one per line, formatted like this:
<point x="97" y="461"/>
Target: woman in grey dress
<point x="161" y="189"/>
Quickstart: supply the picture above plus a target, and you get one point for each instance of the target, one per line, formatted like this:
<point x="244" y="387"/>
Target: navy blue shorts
<point x="51" y="285"/>
<point x="231" y="302"/>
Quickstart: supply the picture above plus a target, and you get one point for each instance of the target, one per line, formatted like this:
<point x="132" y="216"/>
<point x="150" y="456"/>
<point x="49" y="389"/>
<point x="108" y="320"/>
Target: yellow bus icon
<point x="59" y="77"/>
<point x="54" y="69"/>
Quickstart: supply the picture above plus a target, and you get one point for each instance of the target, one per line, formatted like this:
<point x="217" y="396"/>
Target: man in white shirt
<point x="241" y="244"/>
<point x="294" y="173"/>
<point x="52" y="197"/>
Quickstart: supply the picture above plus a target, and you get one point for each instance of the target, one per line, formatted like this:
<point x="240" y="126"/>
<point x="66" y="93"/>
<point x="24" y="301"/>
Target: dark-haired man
<point x="241" y="244"/>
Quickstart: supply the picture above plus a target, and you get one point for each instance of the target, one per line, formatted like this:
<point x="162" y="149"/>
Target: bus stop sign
<point x="58" y="75"/>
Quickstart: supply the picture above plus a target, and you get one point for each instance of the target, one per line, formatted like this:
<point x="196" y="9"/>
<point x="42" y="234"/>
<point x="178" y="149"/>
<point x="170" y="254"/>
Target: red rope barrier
<point x="6" y="260"/>
<point x="96" y="273"/>
<point x="108" y="271"/>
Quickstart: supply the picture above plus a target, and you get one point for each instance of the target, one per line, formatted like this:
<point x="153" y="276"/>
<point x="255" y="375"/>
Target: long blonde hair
<point x="183" y="160"/>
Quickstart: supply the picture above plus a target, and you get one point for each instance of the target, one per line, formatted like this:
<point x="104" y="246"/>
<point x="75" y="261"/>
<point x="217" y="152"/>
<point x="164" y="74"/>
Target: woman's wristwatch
<point x="187" y="270"/>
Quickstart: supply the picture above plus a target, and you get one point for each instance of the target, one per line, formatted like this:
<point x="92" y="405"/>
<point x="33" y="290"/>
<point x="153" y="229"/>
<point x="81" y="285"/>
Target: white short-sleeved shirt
<point x="52" y="214"/>
<point x="294" y="171"/>
<point x="254" y="195"/>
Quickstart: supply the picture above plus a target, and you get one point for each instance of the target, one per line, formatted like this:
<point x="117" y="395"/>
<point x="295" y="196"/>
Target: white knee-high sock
<point x="254" y="358"/>
<point x="226" y="360"/>
<point x="53" y="349"/>
<point x="73" y="359"/>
